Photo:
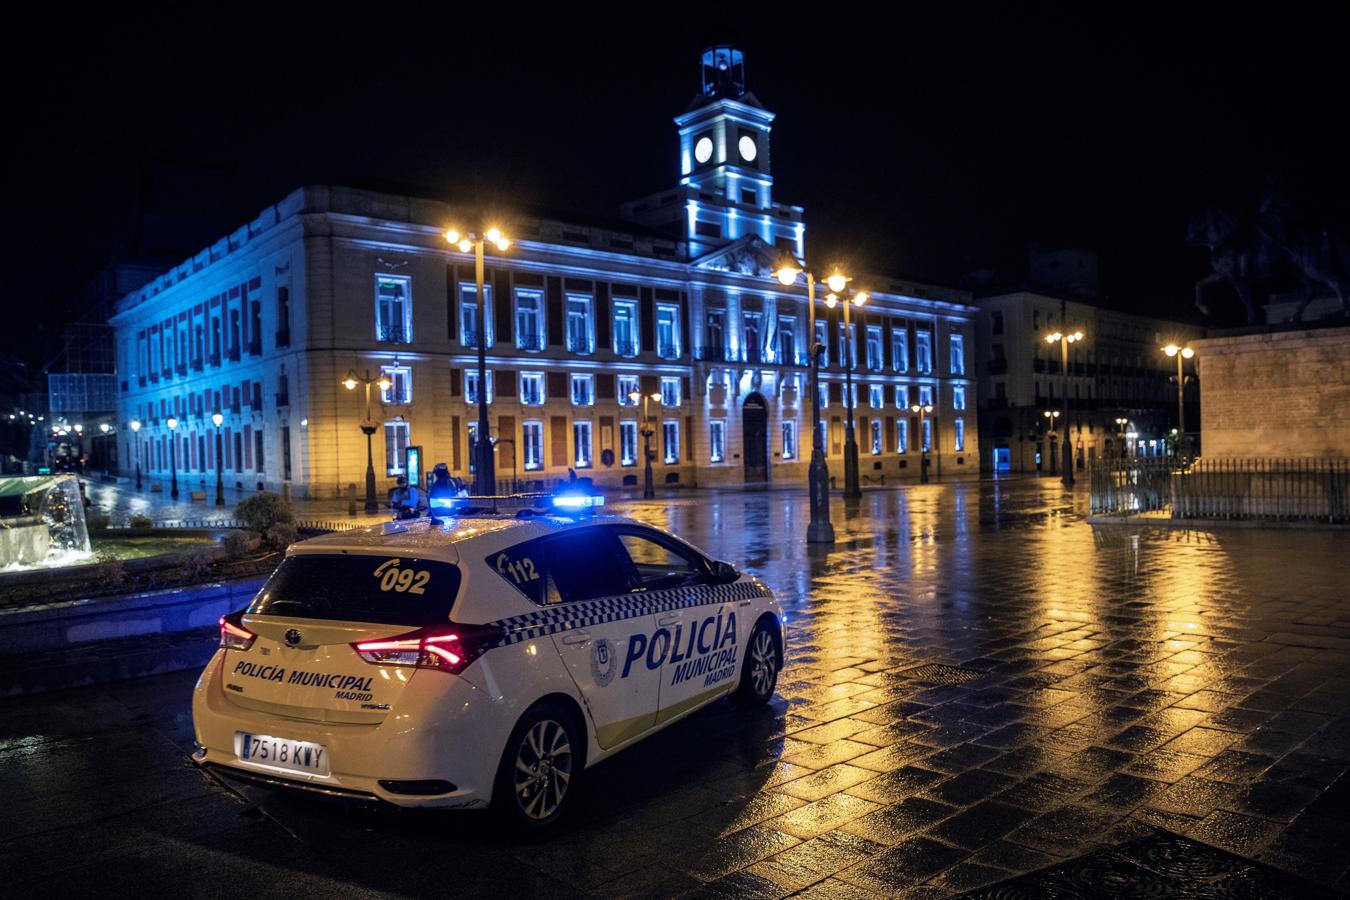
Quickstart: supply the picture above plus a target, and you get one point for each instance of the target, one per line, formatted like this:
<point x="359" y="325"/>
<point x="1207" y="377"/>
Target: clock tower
<point x="725" y="190"/>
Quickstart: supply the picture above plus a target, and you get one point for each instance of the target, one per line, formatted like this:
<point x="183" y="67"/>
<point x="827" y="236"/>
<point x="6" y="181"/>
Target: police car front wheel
<point x="538" y="768"/>
<point x="759" y="672"/>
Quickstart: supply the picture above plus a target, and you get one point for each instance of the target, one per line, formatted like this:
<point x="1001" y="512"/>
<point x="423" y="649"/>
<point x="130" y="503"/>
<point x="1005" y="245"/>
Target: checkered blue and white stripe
<point x="584" y="613"/>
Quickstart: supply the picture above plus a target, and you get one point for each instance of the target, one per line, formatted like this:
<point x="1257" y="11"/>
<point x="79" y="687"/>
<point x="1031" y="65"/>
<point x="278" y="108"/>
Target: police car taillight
<point x="430" y="648"/>
<point x="233" y="635"/>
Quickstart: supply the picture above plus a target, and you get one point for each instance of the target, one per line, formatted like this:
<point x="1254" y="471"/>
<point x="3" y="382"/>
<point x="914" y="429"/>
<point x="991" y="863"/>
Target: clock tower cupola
<point x="725" y="179"/>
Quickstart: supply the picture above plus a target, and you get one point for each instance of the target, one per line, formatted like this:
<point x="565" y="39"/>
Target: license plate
<point x="281" y="753"/>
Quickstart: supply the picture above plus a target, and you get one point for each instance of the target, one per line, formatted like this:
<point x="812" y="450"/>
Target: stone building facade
<point x="1277" y="394"/>
<point x="677" y="300"/>
<point x="1118" y="371"/>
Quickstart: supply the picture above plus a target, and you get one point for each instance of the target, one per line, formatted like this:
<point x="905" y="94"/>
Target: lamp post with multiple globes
<point x="367" y="427"/>
<point x="485" y="475"/>
<point x="922" y="411"/>
<point x="852" y="489"/>
<point x="1064" y="339"/>
<point x="648" y="487"/>
<point x="820" y="531"/>
<point x="1180" y="353"/>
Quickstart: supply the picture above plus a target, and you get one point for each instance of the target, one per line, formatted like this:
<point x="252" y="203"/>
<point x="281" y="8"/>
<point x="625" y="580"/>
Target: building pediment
<point x="748" y="255"/>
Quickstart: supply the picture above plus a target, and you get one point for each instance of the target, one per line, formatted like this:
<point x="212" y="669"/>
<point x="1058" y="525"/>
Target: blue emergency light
<point x="577" y="501"/>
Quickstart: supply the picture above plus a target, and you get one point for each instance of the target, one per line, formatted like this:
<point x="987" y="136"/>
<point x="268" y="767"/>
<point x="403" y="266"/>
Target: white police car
<point x="485" y="658"/>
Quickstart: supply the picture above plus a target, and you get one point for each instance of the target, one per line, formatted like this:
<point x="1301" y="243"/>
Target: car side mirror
<point x="724" y="573"/>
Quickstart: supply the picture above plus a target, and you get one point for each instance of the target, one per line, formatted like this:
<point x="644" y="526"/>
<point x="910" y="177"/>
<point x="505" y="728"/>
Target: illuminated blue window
<point x="471" y="385"/>
<point x="923" y="351"/>
<point x="393" y="309"/>
<point x="530" y="331"/>
<point x="753" y="342"/>
<point x="925" y="395"/>
<point x="532" y="388"/>
<point x="789" y="440"/>
<point x="583" y="390"/>
<point x="717" y="441"/>
<point x="876" y="396"/>
<point x="468" y="314"/>
<point x="581" y="444"/>
<point x="628" y="435"/>
<point x="400" y="385"/>
<point x="625" y="328"/>
<point x="899" y="349"/>
<point x="927" y="434"/>
<point x="874" y="347"/>
<point x="822" y="338"/>
<point x="848" y="350"/>
<point x="395" y="443"/>
<point x="960" y="426"/>
<point x="667" y="331"/>
<point x="670" y="433"/>
<point x="902" y="435"/>
<point x="787" y="341"/>
<point x="580" y="324"/>
<point x="532" y="442"/>
<point x="959" y="397"/>
<point x="902" y="396"/>
<point x="876" y="436"/>
<point x="958" y="355"/>
<point x="628" y="386"/>
<point x="670" y="390"/>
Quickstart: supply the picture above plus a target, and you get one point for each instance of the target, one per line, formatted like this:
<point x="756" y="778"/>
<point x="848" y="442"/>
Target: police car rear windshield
<point x="383" y="590"/>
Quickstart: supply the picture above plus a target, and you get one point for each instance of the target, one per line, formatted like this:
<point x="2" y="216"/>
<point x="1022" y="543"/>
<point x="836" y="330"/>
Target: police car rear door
<point x="603" y="632"/>
<point x="696" y="621"/>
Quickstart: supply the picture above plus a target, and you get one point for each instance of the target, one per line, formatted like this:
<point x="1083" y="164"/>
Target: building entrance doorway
<point x="755" y="437"/>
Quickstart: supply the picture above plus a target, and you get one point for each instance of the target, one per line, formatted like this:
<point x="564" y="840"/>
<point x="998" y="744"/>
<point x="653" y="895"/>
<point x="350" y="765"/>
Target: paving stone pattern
<point x="1129" y="686"/>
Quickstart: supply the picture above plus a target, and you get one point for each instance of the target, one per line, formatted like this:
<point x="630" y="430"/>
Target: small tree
<point x="261" y="511"/>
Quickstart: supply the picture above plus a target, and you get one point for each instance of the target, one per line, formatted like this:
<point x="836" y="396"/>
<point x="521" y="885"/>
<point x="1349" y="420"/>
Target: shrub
<point x="141" y="521"/>
<point x="261" y="511"/>
<point x="96" y="522"/>
<point x="237" y="543"/>
<point x="109" y="570"/>
<point x="281" y="535"/>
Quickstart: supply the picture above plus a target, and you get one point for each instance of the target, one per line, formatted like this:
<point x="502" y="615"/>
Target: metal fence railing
<point x="1131" y="484"/>
<point x="1293" y="489"/>
<point x="1312" y="490"/>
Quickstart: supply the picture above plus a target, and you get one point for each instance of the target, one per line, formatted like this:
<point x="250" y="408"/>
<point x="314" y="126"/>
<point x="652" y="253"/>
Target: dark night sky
<point x="928" y="144"/>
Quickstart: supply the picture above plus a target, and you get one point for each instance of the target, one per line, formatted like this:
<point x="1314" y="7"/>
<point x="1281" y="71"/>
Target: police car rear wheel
<point x="538" y="768"/>
<point x="759" y="673"/>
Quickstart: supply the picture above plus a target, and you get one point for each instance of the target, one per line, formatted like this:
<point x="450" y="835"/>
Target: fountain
<point x="42" y="522"/>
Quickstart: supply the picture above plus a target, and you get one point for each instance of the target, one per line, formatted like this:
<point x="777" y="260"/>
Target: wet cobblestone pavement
<point x="982" y="694"/>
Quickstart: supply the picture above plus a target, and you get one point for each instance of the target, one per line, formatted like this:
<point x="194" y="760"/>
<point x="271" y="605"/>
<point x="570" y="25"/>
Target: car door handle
<point x="667" y="621"/>
<point x="576" y="637"/>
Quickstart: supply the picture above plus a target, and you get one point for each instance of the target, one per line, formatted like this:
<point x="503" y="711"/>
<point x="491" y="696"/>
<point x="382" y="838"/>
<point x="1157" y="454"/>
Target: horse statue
<point x="1238" y="255"/>
<point x="1317" y="256"/>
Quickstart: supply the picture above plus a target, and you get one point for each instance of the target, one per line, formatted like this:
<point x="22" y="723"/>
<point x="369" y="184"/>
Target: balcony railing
<point x="668" y="351"/>
<point x="533" y="342"/>
<point x="625" y="348"/>
<point x="392" y="334"/>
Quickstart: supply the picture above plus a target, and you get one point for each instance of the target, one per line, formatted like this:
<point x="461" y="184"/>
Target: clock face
<point x="749" y="149"/>
<point x="703" y="149"/>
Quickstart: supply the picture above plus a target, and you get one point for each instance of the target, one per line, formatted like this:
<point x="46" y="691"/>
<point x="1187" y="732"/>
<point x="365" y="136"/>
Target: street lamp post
<point x="368" y="427"/>
<point x="217" y="420"/>
<point x="1052" y="430"/>
<point x="136" y="436"/>
<point x="1181" y="353"/>
<point x="172" y="422"/>
<point x="819" y="531"/>
<point x="1121" y="422"/>
<point x="648" y="488"/>
<point x="485" y="474"/>
<point x="1064" y="339"/>
<point x="852" y="489"/>
<point x="925" y="410"/>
